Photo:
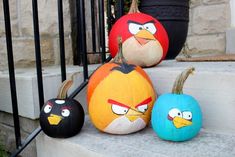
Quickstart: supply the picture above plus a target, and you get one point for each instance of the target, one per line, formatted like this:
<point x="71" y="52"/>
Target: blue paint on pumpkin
<point x="167" y="107"/>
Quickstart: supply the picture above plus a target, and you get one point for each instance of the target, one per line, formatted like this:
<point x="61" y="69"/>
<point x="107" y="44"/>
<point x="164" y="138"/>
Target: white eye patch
<point x="135" y="28"/>
<point x="60" y="101"/>
<point x="150" y="27"/>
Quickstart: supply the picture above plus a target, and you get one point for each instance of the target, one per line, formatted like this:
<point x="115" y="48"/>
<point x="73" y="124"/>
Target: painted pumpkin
<point x="145" y="41"/>
<point x="62" y="117"/>
<point x="177" y="116"/>
<point x="120" y="97"/>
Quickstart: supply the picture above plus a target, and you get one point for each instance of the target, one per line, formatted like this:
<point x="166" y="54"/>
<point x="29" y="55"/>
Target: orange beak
<point x="144" y="36"/>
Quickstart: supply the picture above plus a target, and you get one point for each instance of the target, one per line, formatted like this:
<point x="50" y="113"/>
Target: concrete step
<point x="27" y="89"/>
<point x="213" y="85"/>
<point x="92" y="143"/>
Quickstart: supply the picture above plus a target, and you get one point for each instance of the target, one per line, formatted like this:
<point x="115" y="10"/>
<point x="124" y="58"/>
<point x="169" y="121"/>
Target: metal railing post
<point x="102" y="30"/>
<point x="82" y="48"/>
<point x="38" y="53"/>
<point x="12" y="73"/>
<point x="93" y="26"/>
<point x="82" y="37"/>
<point x="120" y="9"/>
<point x="109" y="15"/>
<point x="61" y="38"/>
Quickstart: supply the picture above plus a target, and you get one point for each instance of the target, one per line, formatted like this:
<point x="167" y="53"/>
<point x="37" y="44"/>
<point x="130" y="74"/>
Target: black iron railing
<point x="11" y="72"/>
<point x="82" y="50"/>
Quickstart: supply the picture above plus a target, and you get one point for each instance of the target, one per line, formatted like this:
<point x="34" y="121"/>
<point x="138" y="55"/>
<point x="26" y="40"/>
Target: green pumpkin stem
<point x="134" y="7"/>
<point x="119" y="58"/>
<point x="179" y="82"/>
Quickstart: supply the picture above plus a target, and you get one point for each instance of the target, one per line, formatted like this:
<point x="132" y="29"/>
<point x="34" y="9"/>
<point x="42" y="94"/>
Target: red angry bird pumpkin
<point x="145" y="41"/>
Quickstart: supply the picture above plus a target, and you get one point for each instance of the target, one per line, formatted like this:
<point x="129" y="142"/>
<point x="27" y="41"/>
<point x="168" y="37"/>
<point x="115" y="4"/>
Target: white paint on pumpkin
<point x="60" y="101"/>
<point x="143" y="55"/>
<point x="123" y="125"/>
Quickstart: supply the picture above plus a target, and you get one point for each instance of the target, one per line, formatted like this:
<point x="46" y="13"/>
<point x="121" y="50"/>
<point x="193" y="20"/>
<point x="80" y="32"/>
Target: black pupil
<point x="140" y="28"/>
<point x="178" y="114"/>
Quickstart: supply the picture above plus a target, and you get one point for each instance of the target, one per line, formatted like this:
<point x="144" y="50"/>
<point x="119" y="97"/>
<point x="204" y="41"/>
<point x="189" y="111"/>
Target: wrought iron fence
<point x="82" y="50"/>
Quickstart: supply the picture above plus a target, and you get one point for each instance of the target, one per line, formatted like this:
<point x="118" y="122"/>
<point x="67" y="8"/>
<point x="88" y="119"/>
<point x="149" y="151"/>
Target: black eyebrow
<point x="124" y="68"/>
<point x="152" y="21"/>
<point x="130" y="21"/>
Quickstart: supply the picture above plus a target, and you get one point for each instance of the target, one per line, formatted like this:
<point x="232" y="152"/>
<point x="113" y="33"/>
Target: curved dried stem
<point x="119" y="58"/>
<point x="179" y="82"/>
<point x="134" y="7"/>
<point x="63" y="90"/>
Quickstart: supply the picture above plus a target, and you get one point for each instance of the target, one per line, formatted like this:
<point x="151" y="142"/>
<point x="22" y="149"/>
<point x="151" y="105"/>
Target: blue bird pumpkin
<point x="177" y="116"/>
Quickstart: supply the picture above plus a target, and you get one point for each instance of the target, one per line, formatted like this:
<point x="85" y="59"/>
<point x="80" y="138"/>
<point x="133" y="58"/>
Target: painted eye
<point x="65" y="112"/>
<point x="143" y="108"/>
<point x="150" y="27"/>
<point x="187" y="115"/>
<point x="119" y="109"/>
<point x="47" y="108"/>
<point x="175" y="113"/>
<point x="135" y="28"/>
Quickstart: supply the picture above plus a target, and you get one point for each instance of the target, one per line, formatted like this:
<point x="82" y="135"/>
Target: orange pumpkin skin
<point x="123" y="99"/>
<point x="142" y="47"/>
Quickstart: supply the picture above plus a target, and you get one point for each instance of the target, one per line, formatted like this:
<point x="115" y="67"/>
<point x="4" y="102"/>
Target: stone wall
<point x="209" y="20"/>
<point x="22" y="33"/>
<point x="7" y="136"/>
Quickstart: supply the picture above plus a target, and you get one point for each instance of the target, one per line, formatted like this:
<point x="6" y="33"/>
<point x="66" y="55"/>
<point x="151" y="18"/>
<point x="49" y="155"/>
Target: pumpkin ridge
<point x="143" y="73"/>
<point x="97" y="77"/>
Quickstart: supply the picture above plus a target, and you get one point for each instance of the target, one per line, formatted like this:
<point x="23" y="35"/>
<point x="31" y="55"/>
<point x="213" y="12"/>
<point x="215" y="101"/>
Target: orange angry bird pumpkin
<point x="120" y="98"/>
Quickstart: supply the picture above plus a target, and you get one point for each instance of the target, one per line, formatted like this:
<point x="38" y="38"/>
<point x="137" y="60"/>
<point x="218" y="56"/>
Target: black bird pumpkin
<point x="62" y="117"/>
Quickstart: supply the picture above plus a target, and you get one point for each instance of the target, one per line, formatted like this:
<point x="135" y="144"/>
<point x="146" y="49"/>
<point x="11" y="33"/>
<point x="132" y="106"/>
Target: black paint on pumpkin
<point x="61" y="118"/>
<point x="124" y="67"/>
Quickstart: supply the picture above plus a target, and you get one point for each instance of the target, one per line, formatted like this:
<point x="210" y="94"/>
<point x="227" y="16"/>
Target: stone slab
<point x="208" y="19"/>
<point x="230" y="41"/>
<point x="91" y="142"/>
<point x="214" y="58"/>
<point x="8" y="138"/>
<point x="26" y="87"/>
<point x="212" y="85"/>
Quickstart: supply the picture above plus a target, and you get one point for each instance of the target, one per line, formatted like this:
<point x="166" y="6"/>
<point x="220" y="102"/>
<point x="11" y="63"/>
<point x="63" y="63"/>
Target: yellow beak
<point x="145" y="35"/>
<point x="181" y="122"/>
<point x="54" y="119"/>
<point x="132" y="115"/>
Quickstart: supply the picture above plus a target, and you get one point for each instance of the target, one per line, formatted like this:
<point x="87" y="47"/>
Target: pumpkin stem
<point x="179" y="82"/>
<point x="119" y="58"/>
<point x="134" y="7"/>
<point x="62" y="94"/>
